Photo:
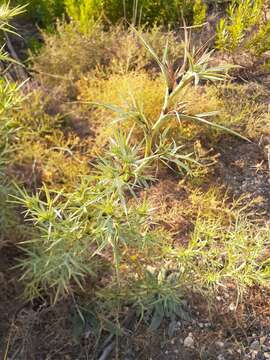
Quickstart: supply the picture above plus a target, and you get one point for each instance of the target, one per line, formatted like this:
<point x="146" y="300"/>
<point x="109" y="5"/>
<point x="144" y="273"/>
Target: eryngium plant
<point x="77" y="234"/>
<point x="7" y="13"/>
<point x="194" y="68"/>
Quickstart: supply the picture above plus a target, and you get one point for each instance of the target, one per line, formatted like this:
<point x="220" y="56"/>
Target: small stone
<point x="220" y="344"/>
<point x="254" y="354"/>
<point x="189" y="341"/>
<point x="231" y="307"/>
<point x="220" y="357"/>
<point x="255" y="345"/>
<point x="267" y="355"/>
<point x="201" y="325"/>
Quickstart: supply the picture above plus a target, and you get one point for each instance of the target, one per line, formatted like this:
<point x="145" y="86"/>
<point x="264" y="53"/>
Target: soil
<point x="244" y="169"/>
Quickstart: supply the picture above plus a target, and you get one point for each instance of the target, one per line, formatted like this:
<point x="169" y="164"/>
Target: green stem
<point x="148" y="145"/>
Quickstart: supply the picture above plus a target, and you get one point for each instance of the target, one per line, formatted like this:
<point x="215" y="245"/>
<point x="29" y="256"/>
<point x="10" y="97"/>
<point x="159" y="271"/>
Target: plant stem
<point x="148" y="144"/>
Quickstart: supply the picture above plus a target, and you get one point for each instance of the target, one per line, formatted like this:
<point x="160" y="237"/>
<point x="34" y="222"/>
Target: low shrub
<point x="68" y="55"/>
<point x="139" y="12"/>
<point x="245" y="27"/>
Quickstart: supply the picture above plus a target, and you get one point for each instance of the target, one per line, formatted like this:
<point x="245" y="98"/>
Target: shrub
<point x="55" y="258"/>
<point x="245" y="27"/>
<point x="68" y="55"/>
<point x="140" y="12"/>
<point x="44" y="12"/>
<point x="194" y="68"/>
<point x="199" y="12"/>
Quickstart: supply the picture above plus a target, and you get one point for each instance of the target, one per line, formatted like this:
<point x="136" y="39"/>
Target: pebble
<point x="220" y="344"/>
<point x="220" y="357"/>
<point x="255" y="345"/>
<point x="189" y="341"/>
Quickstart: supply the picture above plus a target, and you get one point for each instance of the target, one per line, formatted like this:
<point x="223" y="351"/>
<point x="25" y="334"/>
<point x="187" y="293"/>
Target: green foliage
<point x="86" y="12"/>
<point x="95" y="216"/>
<point x="83" y="12"/>
<point x="148" y="11"/>
<point x="141" y="12"/>
<point x="10" y="99"/>
<point x="44" y="12"/>
<point x="7" y="13"/>
<point x="260" y="41"/>
<point x="218" y="255"/>
<point x="199" y="12"/>
<point x="244" y="27"/>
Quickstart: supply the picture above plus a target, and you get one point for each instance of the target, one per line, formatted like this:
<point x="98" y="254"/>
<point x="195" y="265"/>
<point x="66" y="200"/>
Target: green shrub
<point x="144" y="12"/>
<point x="44" y="12"/>
<point x="148" y="11"/>
<point x="244" y="27"/>
<point x="83" y="12"/>
<point x="199" y="12"/>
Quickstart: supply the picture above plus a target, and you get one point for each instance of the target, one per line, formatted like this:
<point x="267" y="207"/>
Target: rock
<point x="189" y="341"/>
<point x="220" y="344"/>
<point x="255" y="345"/>
<point x="220" y="357"/>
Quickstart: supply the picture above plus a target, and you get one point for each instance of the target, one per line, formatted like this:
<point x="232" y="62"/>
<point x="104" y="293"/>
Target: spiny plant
<point x="76" y="232"/>
<point x="7" y="13"/>
<point x="10" y="98"/>
<point x="194" y="69"/>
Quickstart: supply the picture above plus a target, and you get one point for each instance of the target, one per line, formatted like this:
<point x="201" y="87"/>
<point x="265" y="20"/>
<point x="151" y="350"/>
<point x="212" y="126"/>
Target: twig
<point x="106" y="352"/>
<point x="109" y="343"/>
<point x="19" y="69"/>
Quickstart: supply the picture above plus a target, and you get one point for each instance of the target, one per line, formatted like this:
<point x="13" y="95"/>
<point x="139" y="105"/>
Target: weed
<point x="194" y="68"/>
<point x="102" y="222"/>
